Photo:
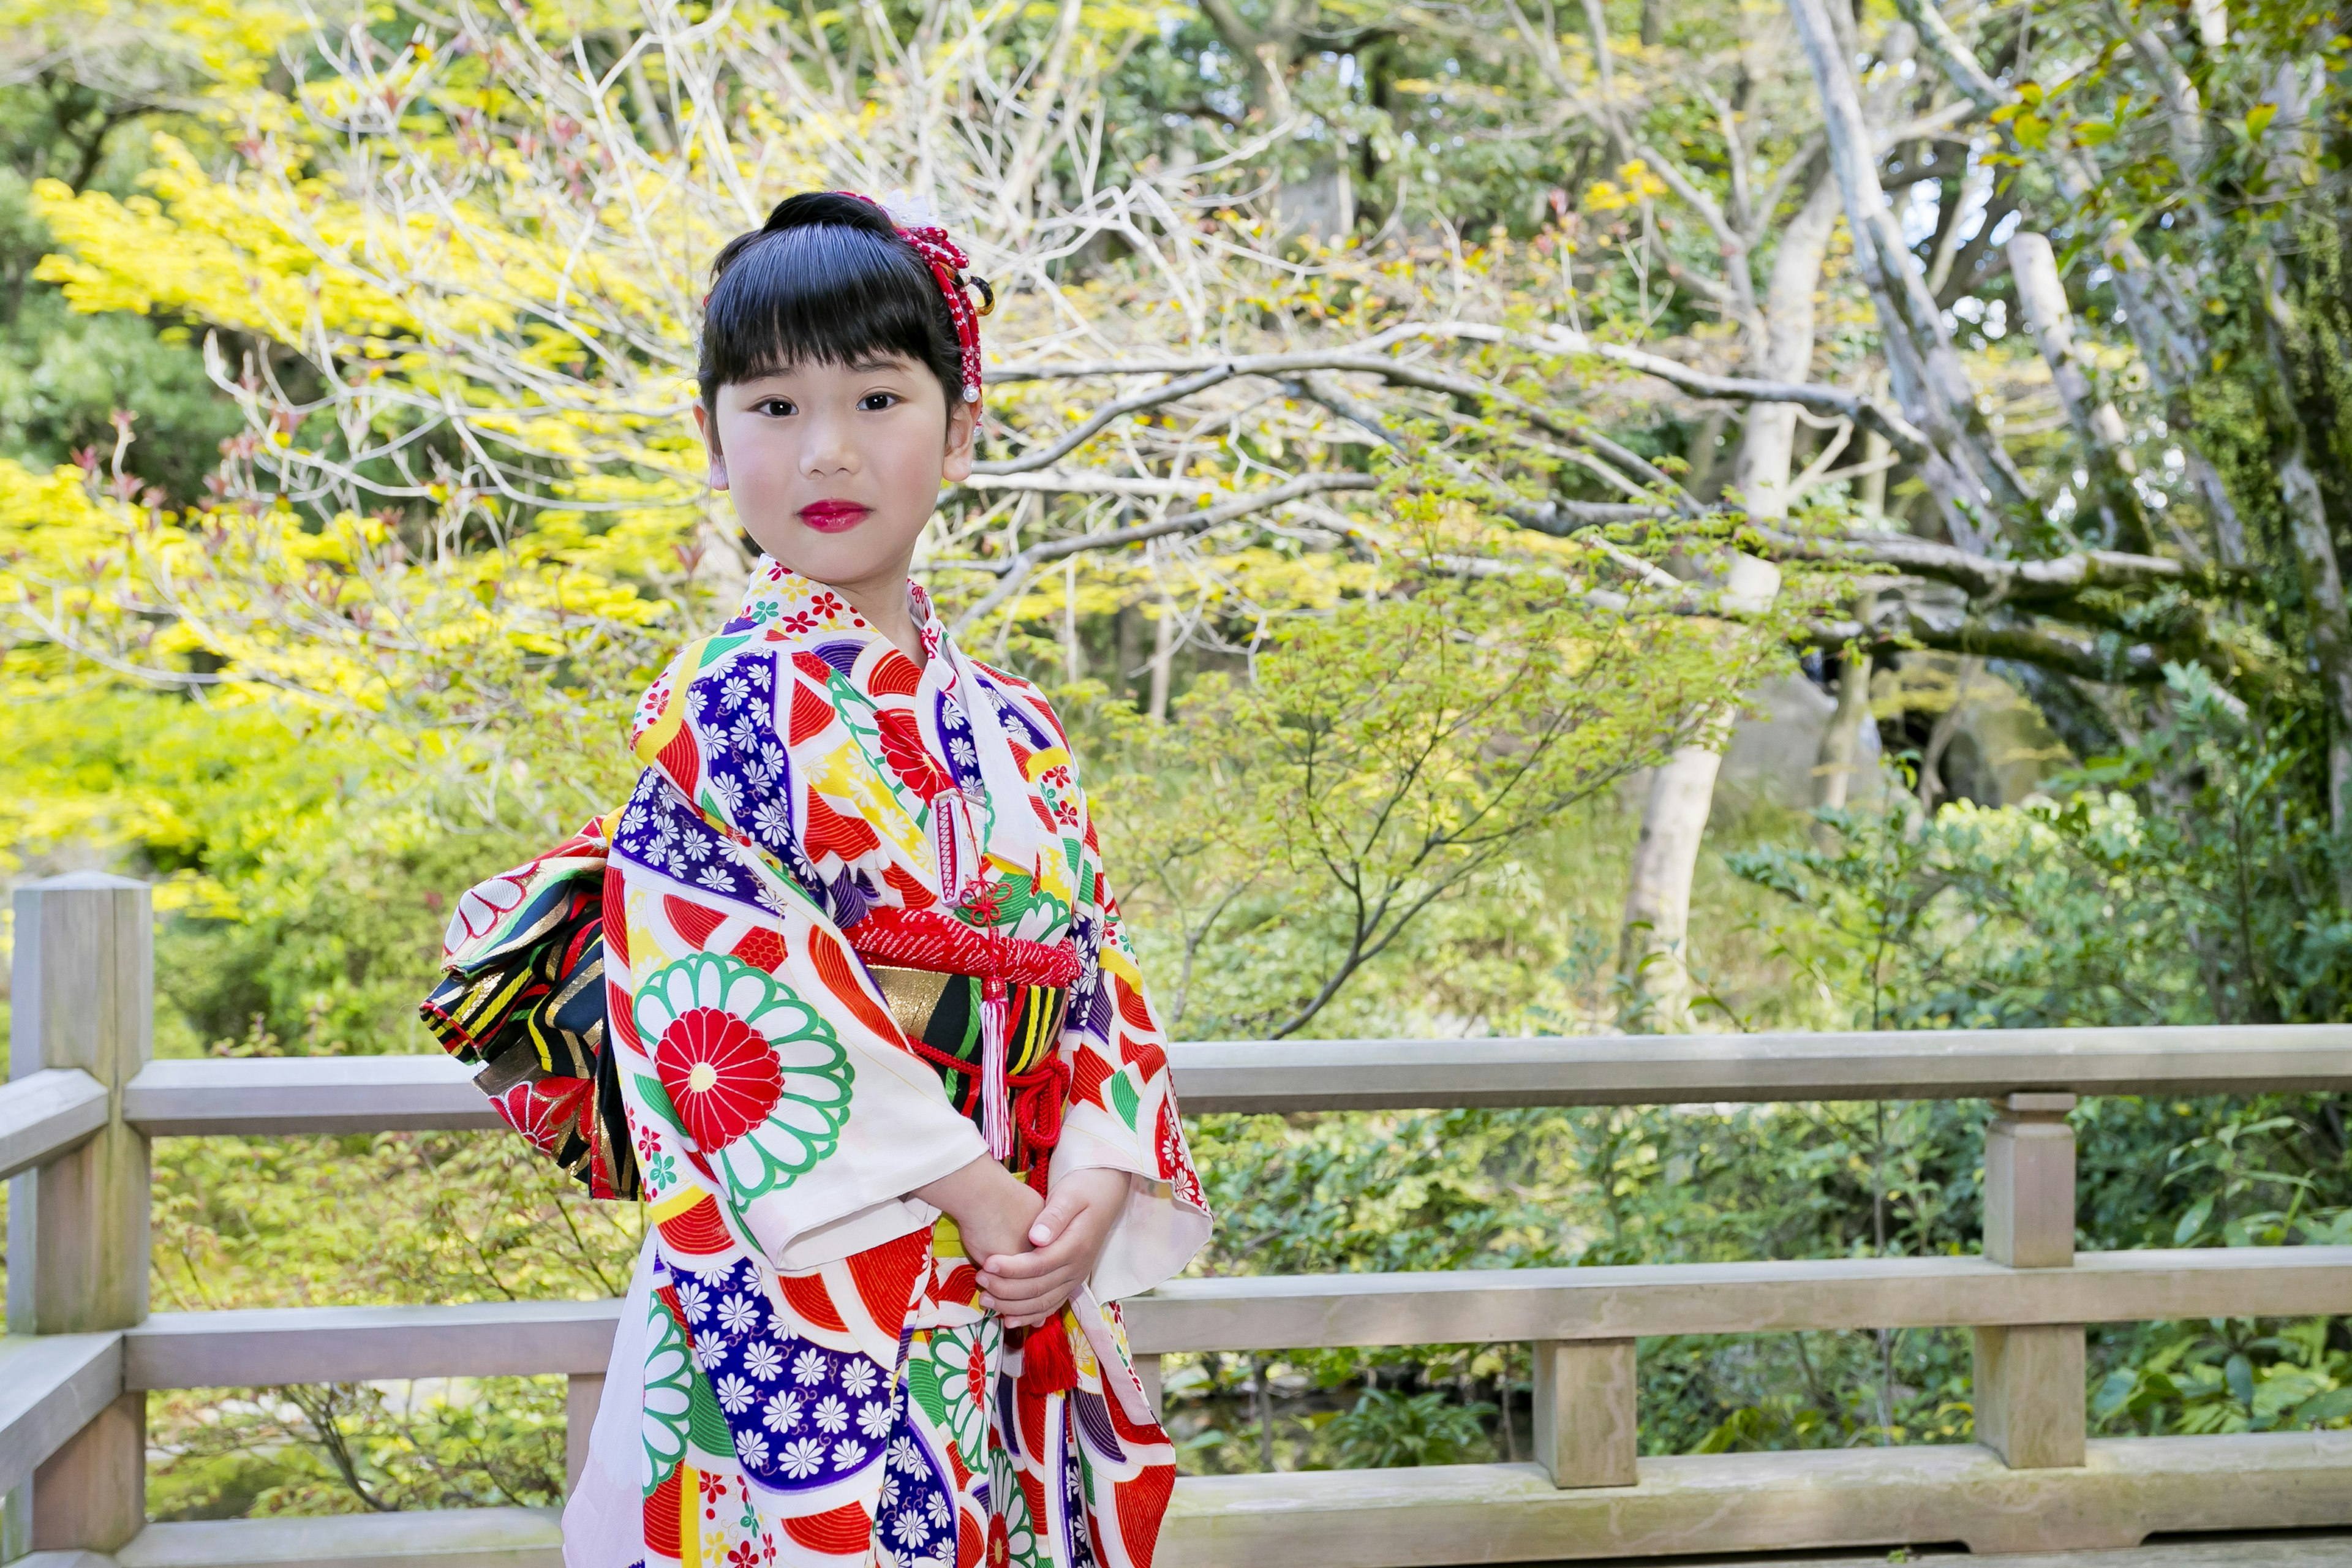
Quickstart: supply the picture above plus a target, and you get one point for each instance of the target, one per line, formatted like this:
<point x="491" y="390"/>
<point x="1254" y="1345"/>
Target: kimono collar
<point x="781" y="598"/>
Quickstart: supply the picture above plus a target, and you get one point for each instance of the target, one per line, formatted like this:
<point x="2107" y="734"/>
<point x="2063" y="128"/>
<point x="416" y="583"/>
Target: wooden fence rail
<point x="83" y="1351"/>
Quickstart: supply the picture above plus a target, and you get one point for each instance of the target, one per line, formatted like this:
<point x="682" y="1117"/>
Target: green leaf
<point x="2332" y="1406"/>
<point x="2259" y="116"/>
<point x="2239" y="1374"/>
<point x="2115" y="1392"/>
<point x="2193" y="1221"/>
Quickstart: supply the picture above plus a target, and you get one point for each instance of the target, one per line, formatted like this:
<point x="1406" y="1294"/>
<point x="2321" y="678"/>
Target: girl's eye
<point x="875" y="401"/>
<point x="775" y="407"/>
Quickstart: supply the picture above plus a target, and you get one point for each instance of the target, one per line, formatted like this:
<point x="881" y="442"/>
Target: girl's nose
<point x="829" y="448"/>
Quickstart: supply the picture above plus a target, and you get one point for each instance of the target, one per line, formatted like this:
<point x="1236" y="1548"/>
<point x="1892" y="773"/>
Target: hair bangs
<point x="827" y="293"/>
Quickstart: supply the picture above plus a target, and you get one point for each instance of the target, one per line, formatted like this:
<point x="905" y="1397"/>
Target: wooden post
<point x="581" y="1395"/>
<point x="78" y="1226"/>
<point x="1147" y="1372"/>
<point x="1585" y="1412"/>
<point x="2029" y="1379"/>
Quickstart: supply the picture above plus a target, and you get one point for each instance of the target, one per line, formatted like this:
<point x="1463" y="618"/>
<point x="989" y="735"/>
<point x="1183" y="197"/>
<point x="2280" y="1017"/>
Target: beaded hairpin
<point x="947" y="262"/>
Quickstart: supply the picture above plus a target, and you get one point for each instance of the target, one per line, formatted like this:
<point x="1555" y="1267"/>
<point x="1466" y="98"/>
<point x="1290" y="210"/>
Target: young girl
<point x="842" y="996"/>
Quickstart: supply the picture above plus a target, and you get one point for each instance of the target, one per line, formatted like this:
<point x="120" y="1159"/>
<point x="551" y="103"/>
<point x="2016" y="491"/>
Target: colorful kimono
<point x="853" y="933"/>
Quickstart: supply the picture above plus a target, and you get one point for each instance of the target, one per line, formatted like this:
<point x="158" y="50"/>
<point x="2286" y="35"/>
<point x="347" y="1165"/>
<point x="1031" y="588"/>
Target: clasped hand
<point x="1033" y="1253"/>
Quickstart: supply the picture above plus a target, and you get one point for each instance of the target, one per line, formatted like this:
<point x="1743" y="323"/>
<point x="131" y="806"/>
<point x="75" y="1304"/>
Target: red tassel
<point x="1046" y="1364"/>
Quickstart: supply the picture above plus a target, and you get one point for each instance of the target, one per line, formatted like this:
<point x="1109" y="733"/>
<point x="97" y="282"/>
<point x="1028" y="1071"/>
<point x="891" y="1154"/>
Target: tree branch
<point x="1015" y="572"/>
<point x="2035" y="582"/>
<point x="1197" y="374"/>
<point x="2110" y="661"/>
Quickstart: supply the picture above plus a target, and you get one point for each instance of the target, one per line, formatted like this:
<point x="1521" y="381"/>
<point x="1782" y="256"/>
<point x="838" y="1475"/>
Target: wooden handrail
<point x="373" y="1094"/>
<point x="46" y="1113"/>
<point x="1313" y="1311"/>
<point x="51" y="1386"/>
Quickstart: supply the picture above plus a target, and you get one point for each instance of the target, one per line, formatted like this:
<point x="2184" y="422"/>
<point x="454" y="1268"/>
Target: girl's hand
<point x="1066" y="1238"/>
<point x="993" y="1208"/>
<point x="998" y="1226"/>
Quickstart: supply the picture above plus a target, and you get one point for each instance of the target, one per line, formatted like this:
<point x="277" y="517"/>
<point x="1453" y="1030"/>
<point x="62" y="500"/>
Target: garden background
<point x="1423" y="439"/>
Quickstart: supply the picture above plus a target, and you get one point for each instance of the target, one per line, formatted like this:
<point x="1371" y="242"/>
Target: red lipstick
<point x="833" y="516"/>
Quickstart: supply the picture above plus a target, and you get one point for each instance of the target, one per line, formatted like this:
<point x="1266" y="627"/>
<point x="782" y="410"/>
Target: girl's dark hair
<point x="828" y="278"/>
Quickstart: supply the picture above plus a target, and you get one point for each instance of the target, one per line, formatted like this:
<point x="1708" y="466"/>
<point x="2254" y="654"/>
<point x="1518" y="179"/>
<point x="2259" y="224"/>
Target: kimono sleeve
<point x="758" y="1061"/>
<point x="522" y="999"/>
<point x="1122" y="1113"/>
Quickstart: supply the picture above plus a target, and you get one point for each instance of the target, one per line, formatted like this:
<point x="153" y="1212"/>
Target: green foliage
<point x="394" y="1217"/>
<point x="1344" y="1193"/>
<point x="2178" y="882"/>
<point x="356" y="1447"/>
<point x="2228" y="1376"/>
<point x="1387" y="1428"/>
<point x="2183" y="880"/>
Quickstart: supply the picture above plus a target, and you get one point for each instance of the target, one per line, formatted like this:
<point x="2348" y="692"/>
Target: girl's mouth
<point x="833" y="516"/>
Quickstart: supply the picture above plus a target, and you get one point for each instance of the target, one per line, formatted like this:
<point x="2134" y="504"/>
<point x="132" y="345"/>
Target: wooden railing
<point x="82" y="1349"/>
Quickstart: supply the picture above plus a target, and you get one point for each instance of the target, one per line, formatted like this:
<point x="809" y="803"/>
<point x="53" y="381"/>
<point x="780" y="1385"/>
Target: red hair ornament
<point x="947" y="262"/>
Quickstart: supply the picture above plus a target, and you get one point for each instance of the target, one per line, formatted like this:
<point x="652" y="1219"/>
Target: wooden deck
<point x="2291" y="1549"/>
<point x="520" y="1538"/>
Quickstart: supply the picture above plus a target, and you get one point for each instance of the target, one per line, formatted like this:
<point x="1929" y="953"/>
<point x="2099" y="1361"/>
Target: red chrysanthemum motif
<point x="546" y="1111"/>
<point x="721" y="1073"/>
<point x="1175" y="1167"/>
<point x="902" y="748"/>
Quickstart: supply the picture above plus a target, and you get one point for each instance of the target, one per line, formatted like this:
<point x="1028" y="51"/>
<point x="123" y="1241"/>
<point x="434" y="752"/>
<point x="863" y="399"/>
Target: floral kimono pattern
<point x="803" y="1374"/>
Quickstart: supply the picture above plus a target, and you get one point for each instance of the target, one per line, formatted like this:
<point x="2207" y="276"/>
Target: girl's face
<point x="834" y="468"/>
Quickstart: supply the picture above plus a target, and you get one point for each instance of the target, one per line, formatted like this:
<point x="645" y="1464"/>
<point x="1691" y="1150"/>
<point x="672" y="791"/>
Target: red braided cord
<point x="1037" y="1099"/>
<point x="1038" y="1094"/>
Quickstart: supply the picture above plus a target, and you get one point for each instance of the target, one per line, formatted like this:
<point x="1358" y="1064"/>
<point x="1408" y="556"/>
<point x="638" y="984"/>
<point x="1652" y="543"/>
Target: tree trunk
<point x="2331" y="636"/>
<point x="2106" y="453"/>
<point x="1760" y="469"/>
<point x="2303" y="409"/>
<point x="1652" y="944"/>
<point x="1841" y="742"/>
<point x="1651" y="954"/>
<point x="1164" y="655"/>
<point x="1967" y="471"/>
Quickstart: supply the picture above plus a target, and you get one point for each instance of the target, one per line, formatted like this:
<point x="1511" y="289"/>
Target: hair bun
<point x="844" y="207"/>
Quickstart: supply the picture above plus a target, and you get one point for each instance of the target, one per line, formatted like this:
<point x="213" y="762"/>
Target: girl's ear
<point x="963" y="435"/>
<point x="710" y="429"/>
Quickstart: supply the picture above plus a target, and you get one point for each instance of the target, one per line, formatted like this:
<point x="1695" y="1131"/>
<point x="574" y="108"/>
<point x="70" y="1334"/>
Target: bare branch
<point x="1016" y="571"/>
<point x="2036" y="583"/>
